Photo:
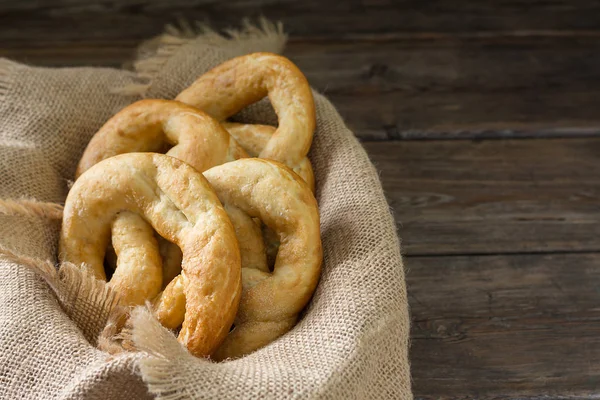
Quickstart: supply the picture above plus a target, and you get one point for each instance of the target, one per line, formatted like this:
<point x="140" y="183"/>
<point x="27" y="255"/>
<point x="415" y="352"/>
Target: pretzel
<point x="140" y="278"/>
<point x="270" y="301"/>
<point x="152" y="125"/>
<point x="181" y="206"/>
<point x="241" y="81"/>
<point x="250" y="239"/>
<point x="254" y="138"/>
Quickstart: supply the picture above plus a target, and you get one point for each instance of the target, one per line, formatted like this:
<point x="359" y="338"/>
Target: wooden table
<point x="484" y="121"/>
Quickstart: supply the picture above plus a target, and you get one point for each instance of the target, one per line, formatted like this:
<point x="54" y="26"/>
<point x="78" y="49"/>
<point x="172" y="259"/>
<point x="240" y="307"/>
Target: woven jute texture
<point x="352" y="340"/>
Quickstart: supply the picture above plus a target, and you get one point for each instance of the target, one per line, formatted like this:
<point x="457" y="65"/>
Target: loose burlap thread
<point x="352" y="340"/>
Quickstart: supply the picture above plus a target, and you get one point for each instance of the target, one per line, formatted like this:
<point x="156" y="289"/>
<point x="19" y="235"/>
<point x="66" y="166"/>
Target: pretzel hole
<point x="110" y="261"/>
<point x="165" y="147"/>
<point x="271" y="240"/>
<point x="259" y="112"/>
<point x="172" y="257"/>
<point x="170" y="253"/>
<point x="178" y="329"/>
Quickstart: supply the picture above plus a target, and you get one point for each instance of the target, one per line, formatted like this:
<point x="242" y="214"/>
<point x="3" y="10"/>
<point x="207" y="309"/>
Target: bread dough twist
<point x="241" y="81"/>
<point x="270" y="301"/>
<point x="182" y="207"/>
<point x="147" y="126"/>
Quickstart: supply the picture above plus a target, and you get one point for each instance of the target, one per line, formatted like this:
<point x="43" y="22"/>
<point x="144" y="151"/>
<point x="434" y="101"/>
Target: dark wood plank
<point x="499" y="327"/>
<point x="469" y="88"/>
<point x="471" y="115"/>
<point x="415" y="67"/>
<point x="493" y="196"/>
<point x="54" y="21"/>
<point x="395" y="70"/>
<point x="99" y="54"/>
<point x="525" y="87"/>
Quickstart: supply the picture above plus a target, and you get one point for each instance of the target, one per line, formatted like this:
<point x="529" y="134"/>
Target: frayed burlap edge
<point x="77" y="291"/>
<point x="154" y="53"/>
<point x="31" y="208"/>
<point x="165" y="355"/>
<point x="80" y="294"/>
<point x="5" y="81"/>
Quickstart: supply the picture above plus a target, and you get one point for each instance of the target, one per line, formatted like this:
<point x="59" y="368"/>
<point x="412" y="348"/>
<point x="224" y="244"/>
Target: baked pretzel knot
<point x="270" y="301"/>
<point x="154" y="125"/>
<point x="181" y="206"/>
<point x="241" y="81"/>
<point x="254" y="138"/>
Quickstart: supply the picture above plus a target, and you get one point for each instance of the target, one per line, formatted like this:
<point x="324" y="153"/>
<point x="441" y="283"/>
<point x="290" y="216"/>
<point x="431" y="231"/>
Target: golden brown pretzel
<point x="249" y="235"/>
<point x="270" y="301"/>
<point x="150" y="125"/>
<point x="254" y="138"/>
<point x="241" y="81"/>
<point x="181" y="206"/>
<point x="140" y="277"/>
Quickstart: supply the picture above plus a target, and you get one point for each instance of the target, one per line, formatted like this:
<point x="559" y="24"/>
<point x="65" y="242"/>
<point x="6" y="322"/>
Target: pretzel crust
<point x="270" y="301"/>
<point x="138" y="275"/>
<point x="241" y="81"/>
<point x="152" y="125"/>
<point x="181" y="206"/>
<point x="254" y="138"/>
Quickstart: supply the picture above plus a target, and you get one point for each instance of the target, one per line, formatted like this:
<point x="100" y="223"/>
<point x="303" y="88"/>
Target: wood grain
<point x="495" y="196"/>
<point x="55" y="21"/>
<point x="427" y="88"/>
<point x="499" y="327"/>
<point x="468" y="88"/>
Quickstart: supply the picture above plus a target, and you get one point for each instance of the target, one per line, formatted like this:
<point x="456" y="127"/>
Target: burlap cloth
<point x="353" y="338"/>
